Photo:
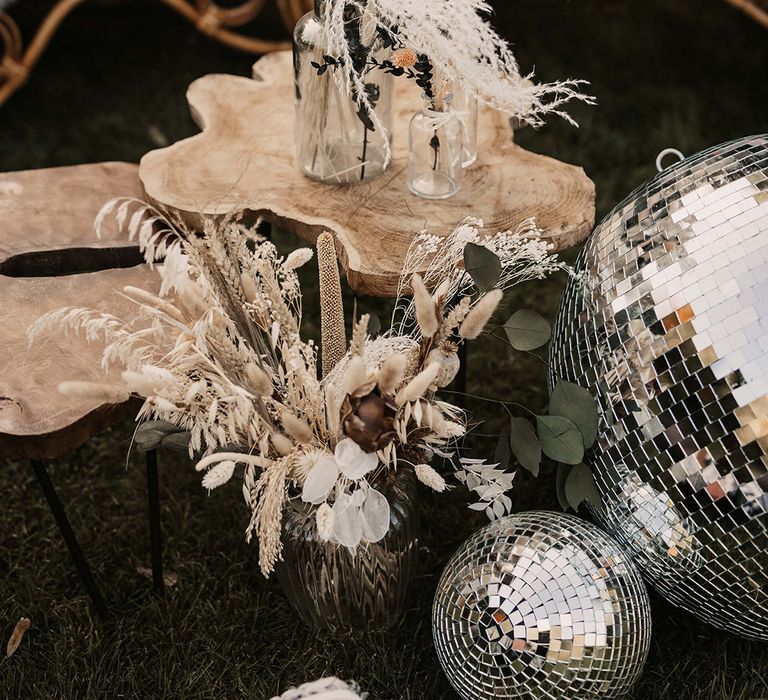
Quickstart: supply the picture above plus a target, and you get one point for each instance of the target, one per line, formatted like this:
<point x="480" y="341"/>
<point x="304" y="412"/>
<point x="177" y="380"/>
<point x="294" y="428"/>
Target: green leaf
<point x="580" y="486"/>
<point x="151" y="433"/>
<point x="526" y="330"/>
<point x="562" y="475"/>
<point x="483" y="265"/>
<point x="502" y="454"/>
<point x="178" y="442"/>
<point x="525" y="445"/>
<point x="577" y="404"/>
<point x="560" y="439"/>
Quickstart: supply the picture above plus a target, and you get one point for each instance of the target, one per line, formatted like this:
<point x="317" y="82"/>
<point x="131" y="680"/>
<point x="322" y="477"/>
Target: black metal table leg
<point x="69" y="536"/>
<point x="155" y="532"/>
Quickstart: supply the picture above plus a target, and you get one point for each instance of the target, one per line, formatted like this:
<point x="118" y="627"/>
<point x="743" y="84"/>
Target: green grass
<point x="666" y="73"/>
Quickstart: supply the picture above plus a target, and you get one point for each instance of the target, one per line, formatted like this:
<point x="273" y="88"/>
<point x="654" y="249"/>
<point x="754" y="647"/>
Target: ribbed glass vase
<point x="333" y="590"/>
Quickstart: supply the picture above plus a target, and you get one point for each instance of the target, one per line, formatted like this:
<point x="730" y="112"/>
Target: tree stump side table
<point x="243" y="159"/>
<point x="50" y="258"/>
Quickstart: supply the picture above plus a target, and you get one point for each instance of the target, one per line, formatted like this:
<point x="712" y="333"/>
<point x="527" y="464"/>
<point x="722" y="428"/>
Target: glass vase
<point x="435" y="150"/>
<point x="337" y="142"/>
<point x="466" y="107"/>
<point x="333" y="590"/>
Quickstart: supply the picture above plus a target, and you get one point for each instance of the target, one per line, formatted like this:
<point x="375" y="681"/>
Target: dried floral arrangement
<point x="218" y="358"/>
<point x="435" y="43"/>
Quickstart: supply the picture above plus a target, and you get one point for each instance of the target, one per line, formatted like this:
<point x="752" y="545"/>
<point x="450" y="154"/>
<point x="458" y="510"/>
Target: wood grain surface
<point x="244" y="159"/>
<point x="50" y="258"/>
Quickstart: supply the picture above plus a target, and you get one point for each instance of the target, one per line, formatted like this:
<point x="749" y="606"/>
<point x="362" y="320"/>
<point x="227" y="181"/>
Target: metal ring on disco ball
<point x="541" y="605"/>
<point x="667" y="324"/>
<point x="667" y="152"/>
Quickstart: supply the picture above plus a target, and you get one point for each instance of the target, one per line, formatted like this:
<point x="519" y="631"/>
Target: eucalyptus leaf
<point x="502" y="455"/>
<point x="560" y="439"/>
<point x="483" y="266"/>
<point x="577" y="404"/>
<point x="562" y="476"/>
<point x="525" y="445"/>
<point x="526" y="330"/>
<point x="151" y="433"/>
<point x="580" y="486"/>
<point x="178" y="442"/>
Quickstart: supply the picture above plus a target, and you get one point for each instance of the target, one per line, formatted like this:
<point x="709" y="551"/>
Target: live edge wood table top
<point x="243" y="159"/>
<point x="50" y="258"/>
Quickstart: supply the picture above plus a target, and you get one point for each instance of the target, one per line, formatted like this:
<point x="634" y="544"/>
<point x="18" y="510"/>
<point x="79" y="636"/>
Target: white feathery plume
<point x="425" y="307"/>
<point x="98" y="391"/>
<point x="429" y="477"/>
<point x="392" y="373"/>
<point x="419" y="385"/>
<point x="357" y="373"/>
<point x="282" y="444"/>
<point x="298" y="258"/>
<point x="298" y="429"/>
<point x="461" y="45"/>
<point x="219" y="474"/>
<point x="480" y="314"/>
<point x="259" y="380"/>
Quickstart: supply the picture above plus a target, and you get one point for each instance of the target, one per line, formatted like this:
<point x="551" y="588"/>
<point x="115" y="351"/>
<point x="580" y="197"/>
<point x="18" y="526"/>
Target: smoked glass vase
<point x="337" y="141"/>
<point x="330" y="588"/>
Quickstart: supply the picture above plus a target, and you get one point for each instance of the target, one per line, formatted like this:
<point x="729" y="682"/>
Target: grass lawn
<point x="683" y="73"/>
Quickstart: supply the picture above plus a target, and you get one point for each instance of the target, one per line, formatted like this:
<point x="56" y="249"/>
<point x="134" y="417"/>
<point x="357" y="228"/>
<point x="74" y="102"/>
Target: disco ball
<point x="668" y="326"/>
<point x="541" y="605"/>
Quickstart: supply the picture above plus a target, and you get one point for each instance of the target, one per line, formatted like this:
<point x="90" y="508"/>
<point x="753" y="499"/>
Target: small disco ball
<point x="541" y="605"/>
<point x="668" y="326"/>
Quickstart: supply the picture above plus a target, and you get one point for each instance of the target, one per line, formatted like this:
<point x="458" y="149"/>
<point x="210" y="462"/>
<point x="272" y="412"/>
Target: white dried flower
<point x="282" y="444"/>
<point x="429" y="477"/>
<point x="419" y="385"/>
<point x="392" y="373"/>
<point x="357" y="373"/>
<point x="218" y="475"/>
<point x="259" y="379"/>
<point x="480" y="314"/>
<point x="250" y="290"/>
<point x="298" y="258"/>
<point x="325" y="522"/>
<point x="298" y="429"/>
<point x="425" y="307"/>
<point x="98" y="391"/>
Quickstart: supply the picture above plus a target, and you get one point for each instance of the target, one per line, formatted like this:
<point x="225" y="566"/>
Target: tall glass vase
<point x="337" y="142"/>
<point x="332" y="589"/>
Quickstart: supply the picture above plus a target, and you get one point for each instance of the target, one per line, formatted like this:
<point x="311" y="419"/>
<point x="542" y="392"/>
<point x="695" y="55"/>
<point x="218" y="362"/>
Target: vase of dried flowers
<point x="343" y="108"/>
<point x="330" y="440"/>
<point x="366" y="587"/>
<point x="435" y="149"/>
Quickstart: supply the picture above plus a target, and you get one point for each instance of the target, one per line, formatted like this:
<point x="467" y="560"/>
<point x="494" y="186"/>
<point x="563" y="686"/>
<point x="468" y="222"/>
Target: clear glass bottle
<point x="466" y="108"/>
<point x="336" y="141"/>
<point x="435" y="150"/>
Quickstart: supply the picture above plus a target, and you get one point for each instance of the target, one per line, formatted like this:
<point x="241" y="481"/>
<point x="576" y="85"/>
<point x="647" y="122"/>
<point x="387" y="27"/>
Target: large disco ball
<point x="541" y="605"/>
<point x="668" y="326"/>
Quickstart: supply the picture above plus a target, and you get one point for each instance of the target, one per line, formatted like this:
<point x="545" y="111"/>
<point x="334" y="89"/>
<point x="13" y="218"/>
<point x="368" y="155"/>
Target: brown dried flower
<point x="368" y="417"/>
<point x="404" y="58"/>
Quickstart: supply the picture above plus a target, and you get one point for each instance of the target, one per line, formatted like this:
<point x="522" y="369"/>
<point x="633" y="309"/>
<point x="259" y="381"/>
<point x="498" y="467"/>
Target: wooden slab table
<point x="50" y="258"/>
<point x="243" y="159"/>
